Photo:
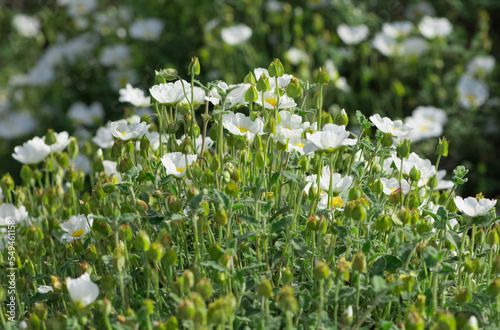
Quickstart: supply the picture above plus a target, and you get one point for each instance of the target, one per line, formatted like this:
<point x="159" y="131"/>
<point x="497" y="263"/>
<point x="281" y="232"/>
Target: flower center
<point x="300" y="145"/>
<point x="394" y="128"/>
<point x="243" y="129"/>
<point x="124" y="133"/>
<point x="272" y="101"/>
<point x="336" y="202"/>
<point x="424" y="128"/>
<point x="471" y="97"/>
<point x="287" y="127"/>
<point x="78" y="233"/>
<point x="180" y="169"/>
<point x="148" y="34"/>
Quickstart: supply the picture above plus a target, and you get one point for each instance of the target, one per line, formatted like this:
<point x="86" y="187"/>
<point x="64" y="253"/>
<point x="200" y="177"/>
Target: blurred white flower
<point x="386" y="125"/>
<point x="198" y="97"/>
<point x="414" y="46"/>
<point x="120" y="78"/>
<point x="339" y="183"/>
<point x="76" y="227"/>
<point x="386" y="44"/>
<point x="32" y="151"/>
<point x="79" y="7"/>
<point x="116" y="55"/>
<point x="296" y="56"/>
<point x="10" y="215"/>
<point x="422" y="128"/>
<point x="427" y="170"/>
<point x="104" y="136"/>
<point x="471" y="92"/>
<point x="80" y="113"/>
<point x="45" y="289"/>
<point x="480" y="65"/>
<point x="170" y="93"/>
<point x="352" y="34"/>
<point x="235" y="97"/>
<point x="472" y="322"/>
<point x="1" y="194"/>
<point x="26" y="26"/>
<point x="199" y="140"/>
<point x="16" y="124"/>
<point x="432" y="27"/>
<point x="146" y="29"/>
<point x="273" y="6"/>
<point x="111" y="170"/>
<point x="390" y="185"/>
<point x="473" y="207"/>
<point x="431" y="113"/>
<point x="236" y="34"/>
<point x="398" y="29"/>
<point x="271" y="101"/>
<point x="241" y="125"/>
<point x="125" y="132"/>
<point x="82" y="164"/>
<point x="442" y="184"/>
<point x="82" y="290"/>
<point x="330" y="138"/>
<point x="418" y="10"/>
<point x="283" y="81"/>
<point x="134" y="96"/>
<point x="175" y="163"/>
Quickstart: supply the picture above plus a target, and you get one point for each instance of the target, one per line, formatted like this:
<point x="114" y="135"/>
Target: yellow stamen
<point x="124" y="133"/>
<point x="471" y="97"/>
<point x="394" y="128"/>
<point x="287" y="127"/>
<point x="336" y="202"/>
<point x="78" y="233"/>
<point x="180" y="169"/>
<point x="424" y="128"/>
<point x="272" y="101"/>
<point x="243" y="129"/>
<point x="300" y="144"/>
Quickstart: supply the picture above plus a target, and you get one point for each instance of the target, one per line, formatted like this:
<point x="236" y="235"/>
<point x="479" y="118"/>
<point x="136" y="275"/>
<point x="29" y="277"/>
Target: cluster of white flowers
<point x="471" y="87"/>
<point x="426" y="122"/>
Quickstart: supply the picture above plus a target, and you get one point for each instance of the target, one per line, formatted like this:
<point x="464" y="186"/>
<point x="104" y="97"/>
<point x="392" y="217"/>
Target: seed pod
<point x="321" y="271"/>
<point x="265" y="288"/>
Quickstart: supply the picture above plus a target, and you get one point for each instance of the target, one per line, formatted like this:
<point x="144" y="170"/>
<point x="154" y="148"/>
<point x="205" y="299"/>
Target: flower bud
<point x="263" y="83"/>
<point x="347" y="317"/>
<point x="413" y="320"/>
<point x="26" y="175"/>
<point x="286" y="299"/>
<point x="293" y="89"/>
<point x="494" y="288"/>
<point x="251" y="95"/>
<point x="414" y="174"/>
<point x="382" y="224"/>
<point x="322" y="78"/>
<point x="321" y="271"/>
<point x="492" y="238"/>
<point x="155" y="253"/>
<point x="276" y="68"/>
<point x="170" y="256"/>
<point x="265" y="288"/>
<point x="56" y="284"/>
<point x="73" y="148"/>
<point x="386" y="140"/>
<point x="312" y="223"/>
<point x="7" y="183"/>
<point x="403" y="149"/>
<point x="462" y="296"/>
<point x="442" y="148"/>
<point x="396" y="197"/>
<point x="174" y="204"/>
<point x="91" y="253"/>
<point x="194" y="66"/>
<point x="142" y="242"/>
<point x="204" y="288"/>
<point x="186" y="310"/>
<point x="50" y="137"/>
<point x="341" y="119"/>
<point x="359" y="262"/>
<point x="355" y="193"/>
<point x="286" y="276"/>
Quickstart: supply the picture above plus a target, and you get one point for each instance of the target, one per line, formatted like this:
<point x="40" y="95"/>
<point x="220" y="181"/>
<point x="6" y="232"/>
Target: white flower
<point x="146" y="29"/>
<point x="175" y="163"/>
<point x="417" y="10"/>
<point x="386" y="125"/>
<point x="386" y="44"/>
<point x="104" y="136"/>
<point x="474" y="208"/>
<point x="16" y="124"/>
<point x="32" y="151"/>
<point x="11" y="216"/>
<point x="236" y="34"/>
<point x="471" y="92"/>
<point x="82" y="164"/>
<point x="398" y="29"/>
<point x="118" y="55"/>
<point x="414" y="46"/>
<point x="111" y="170"/>
<point x="339" y="183"/>
<point x="62" y="141"/>
<point x="296" y="56"/>
<point x="170" y="93"/>
<point x="199" y="140"/>
<point x="82" y="290"/>
<point x="283" y="81"/>
<point x="80" y="7"/>
<point x="390" y="185"/>
<point x="481" y="65"/>
<point x="431" y="113"/>
<point x="349" y="312"/>
<point x="26" y="26"/>
<point x="45" y="289"/>
<point x="1" y="194"/>
<point x="126" y="132"/>
<point x="76" y="227"/>
<point x="86" y="115"/>
<point x="239" y="124"/>
<point x="422" y="128"/>
<point x="134" y="96"/>
<point x="119" y="78"/>
<point x="472" y="322"/>
<point x="432" y="27"/>
<point x="198" y="97"/>
<point x="330" y="138"/>
<point x="271" y="101"/>
<point x="427" y="170"/>
<point x="335" y="202"/>
<point x="352" y="35"/>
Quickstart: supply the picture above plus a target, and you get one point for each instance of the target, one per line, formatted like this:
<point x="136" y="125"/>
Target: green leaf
<point x="133" y="173"/>
<point x="454" y="239"/>
<point x="281" y="211"/>
<point x="458" y="175"/>
<point x="367" y="247"/>
<point x="393" y="263"/>
<point x="378" y="283"/>
<point x="369" y="195"/>
<point x="430" y="256"/>
<point x="223" y="198"/>
<point x="441" y="218"/>
<point x="281" y="224"/>
<point x="154" y="217"/>
<point x="299" y="245"/>
<point x="341" y="231"/>
<point x="37" y="297"/>
<point x="378" y="267"/>
<point x="248" y="219"/>
<point x="194" y="203"/>
<point x="362" y="119"/>
<point x="213" y="265"/>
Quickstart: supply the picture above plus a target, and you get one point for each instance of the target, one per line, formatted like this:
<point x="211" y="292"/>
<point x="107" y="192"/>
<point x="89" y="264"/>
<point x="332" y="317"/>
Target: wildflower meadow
<point x="249" y="165"/>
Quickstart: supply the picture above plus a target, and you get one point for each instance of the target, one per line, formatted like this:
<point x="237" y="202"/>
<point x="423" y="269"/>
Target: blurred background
<point x="432" y="64"/>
